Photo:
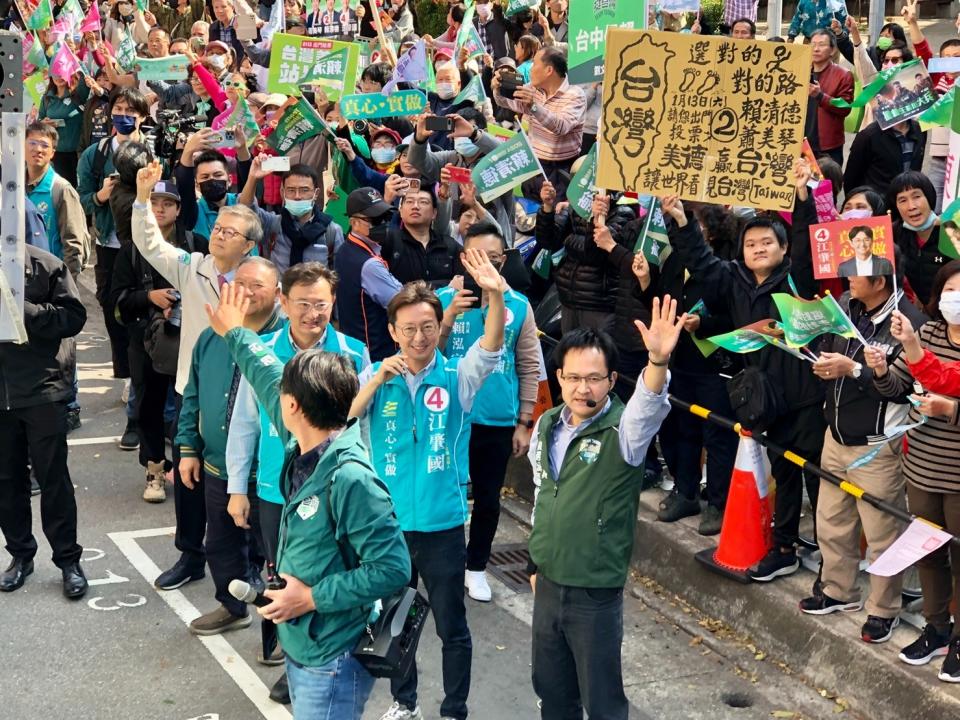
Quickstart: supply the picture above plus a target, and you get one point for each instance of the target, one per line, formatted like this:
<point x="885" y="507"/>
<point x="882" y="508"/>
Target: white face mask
<point x="446" y="90"/>
<point x="218" y="61"/>
<point x="484" y="11"/>
<point x="950" y="306"/>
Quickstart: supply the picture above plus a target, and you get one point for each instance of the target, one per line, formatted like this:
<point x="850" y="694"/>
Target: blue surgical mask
<point x="926" y="225"/>
<point x="465" y="146"/>
<point x="298" y="207"/>
<point x="383" y="156"/>
<point x="124" y="124"/>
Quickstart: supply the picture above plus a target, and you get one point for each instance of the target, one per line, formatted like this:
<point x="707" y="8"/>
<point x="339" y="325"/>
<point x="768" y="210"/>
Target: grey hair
<point x="253" y="230"/>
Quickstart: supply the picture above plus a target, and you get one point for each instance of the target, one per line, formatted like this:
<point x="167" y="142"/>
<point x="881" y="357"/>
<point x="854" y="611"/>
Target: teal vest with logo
<point x="419" y="443"/>
<point x="498" y="401"/>
<point x="585" y="513"/>
<point x="270" y="450"/>
<point x="42" y="197"/>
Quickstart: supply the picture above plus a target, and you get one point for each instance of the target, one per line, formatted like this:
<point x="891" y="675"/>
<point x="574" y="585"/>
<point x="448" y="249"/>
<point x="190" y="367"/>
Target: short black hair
<point x="857" y="229"/>
<point x="940" y="279"/>
<point x="471" y="114"/>
<point x="457" y="12"/>
<point x="952" y="42"/>
<point x="555" y="58"/>
<point x="911" y="180"/>
<point x="832" y="172"/>
<point x="588" y="337"/>
<point x="763" y="221"/>
<point x="748" y="21"/>
<point x="484" y="227"/>
<point x="134" y="99"/>
<point x="324" y="384"/>
<point x="894" y="29"/>
<point x="44" y="130"/>
<point x="905" y="53"/>
<point x="379" y="73"/>
<point x="208" y="156"/>
<point x="302" y="170"/>
<point x="873" y="198"/>
<point x="308" y="273"/>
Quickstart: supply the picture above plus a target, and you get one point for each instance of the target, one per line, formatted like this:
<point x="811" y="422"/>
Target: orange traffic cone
<point x="745" y="536"/>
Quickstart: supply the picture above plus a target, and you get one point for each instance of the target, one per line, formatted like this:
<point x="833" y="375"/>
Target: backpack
<point x="103" y="153"/>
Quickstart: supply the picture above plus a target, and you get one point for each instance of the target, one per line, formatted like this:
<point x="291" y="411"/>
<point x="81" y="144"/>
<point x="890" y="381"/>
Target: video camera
<point x="171" y="129"/>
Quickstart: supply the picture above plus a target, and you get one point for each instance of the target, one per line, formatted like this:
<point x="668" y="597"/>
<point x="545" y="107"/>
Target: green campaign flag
<point x="938" y="114"/>
<point x="586" y="38"/>
<point x="172" y="67"/>
<point x="870" y="91"/>
<point x="505" y="168"/>
<point x="580" y="192"/>
<point x="297" y="60"/>
<point x="36" y="56"/>
<point x="473" y="92"/>
<point x="804" y="320"/>
<point x="367" y="106"/>
<point x="42" y="16"/>
<point x="74" y="8"/>
<point x="740" y="341"/>
<point x="653" y="240"/>
<point x="950" y="231"/>
<point x="241" y="114"/>
<point x="298" y="122"/>
<point x="143" y="5"/>
<point x="36" y="86"/>
<point x="518" y="6"/>
<point x="126" y="53"/>
<point x="500" y="134"/>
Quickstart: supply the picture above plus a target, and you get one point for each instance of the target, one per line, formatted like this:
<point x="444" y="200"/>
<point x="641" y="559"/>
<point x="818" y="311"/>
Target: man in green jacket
<point x="333" y="500"/>
<point x="587" y="458"/>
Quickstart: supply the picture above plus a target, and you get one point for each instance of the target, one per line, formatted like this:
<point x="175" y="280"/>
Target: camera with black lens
<point x="171" y="129"/>
<point x="509" y="82"/>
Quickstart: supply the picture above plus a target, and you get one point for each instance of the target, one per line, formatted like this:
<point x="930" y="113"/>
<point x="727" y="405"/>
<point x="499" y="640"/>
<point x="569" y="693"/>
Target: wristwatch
<point x="528" y="424"/>
<point x="475" y="136"/>
<point x="857" y="369"/>
<point x="533" y="108"/>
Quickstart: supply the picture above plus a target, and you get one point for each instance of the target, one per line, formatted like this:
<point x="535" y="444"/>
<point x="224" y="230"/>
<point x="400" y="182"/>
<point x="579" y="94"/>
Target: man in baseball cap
<point x="366" y="284"/>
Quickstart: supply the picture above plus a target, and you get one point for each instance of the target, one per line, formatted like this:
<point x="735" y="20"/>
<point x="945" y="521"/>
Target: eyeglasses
<point x="305" y="306"/>
<point x="428" y="330"/>
<point x="420" y="202"/>
<point x="228" y="233"/>
<point x="39" y="144"/>
<point x="575" y="380"/>
<point x="238" y="85"/>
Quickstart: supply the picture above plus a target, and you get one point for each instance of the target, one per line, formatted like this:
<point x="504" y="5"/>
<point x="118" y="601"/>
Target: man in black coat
<point x="34" y="389"/>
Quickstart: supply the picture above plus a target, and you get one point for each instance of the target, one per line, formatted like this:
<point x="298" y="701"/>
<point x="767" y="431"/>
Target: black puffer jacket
<point x="409" y="260"/>
<point x="585" y="279"/>
<point x="732" y="286"/>
<point x="33" y="374"/>
<point x="920" y="264"/>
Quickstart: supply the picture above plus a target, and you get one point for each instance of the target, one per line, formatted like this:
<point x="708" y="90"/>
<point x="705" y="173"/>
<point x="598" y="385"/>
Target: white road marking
<point x="72" y="442"/>
<point x="111" y="579"/>
<point x="230" y="660"/>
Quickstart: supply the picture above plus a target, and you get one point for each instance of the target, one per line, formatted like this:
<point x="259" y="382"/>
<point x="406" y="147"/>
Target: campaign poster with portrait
<point x="852" y="248"/>
<point x="908" y="93"/>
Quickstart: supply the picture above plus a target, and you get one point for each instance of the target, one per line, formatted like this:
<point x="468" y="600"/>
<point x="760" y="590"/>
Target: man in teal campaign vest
<point x="335" y="508"/>
<point x="417" y="406"/>
<point x="587" y="456"/>
<point x="503" y="410"/>
<point x="307" y="296"/>
<point x="56" y="200"/>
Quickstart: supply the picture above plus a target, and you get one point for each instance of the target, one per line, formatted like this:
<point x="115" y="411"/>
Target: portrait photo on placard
<point x="849" y="248"/>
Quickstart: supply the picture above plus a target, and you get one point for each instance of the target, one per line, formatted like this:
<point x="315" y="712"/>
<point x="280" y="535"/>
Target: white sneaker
<point x="477" y="586"/>
<point x="400" y="712"/>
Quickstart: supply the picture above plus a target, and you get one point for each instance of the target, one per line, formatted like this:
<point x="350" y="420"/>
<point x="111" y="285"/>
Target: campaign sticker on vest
<point x="437" y="399"/>
<point x="507" y="317"/>
<point x="42" y="207"/>
<point x="308" y="508"/>
<point x="589" y="450"/>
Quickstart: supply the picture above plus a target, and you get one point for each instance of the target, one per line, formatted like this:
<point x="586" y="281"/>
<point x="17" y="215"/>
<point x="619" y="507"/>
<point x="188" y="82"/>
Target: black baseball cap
<point x="167" y="189"/>
<point x="366" y="201"/>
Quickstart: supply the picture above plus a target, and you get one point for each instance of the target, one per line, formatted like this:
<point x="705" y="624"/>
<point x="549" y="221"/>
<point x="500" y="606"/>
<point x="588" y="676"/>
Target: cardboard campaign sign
<point x="850" y="248"/>
<point x="367" y="106"/>
<point x="705" y="118"/>
<point x="296" y="61"/>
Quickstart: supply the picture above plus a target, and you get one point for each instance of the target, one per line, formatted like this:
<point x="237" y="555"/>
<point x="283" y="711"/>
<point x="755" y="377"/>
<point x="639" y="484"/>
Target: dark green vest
<point x="584" y="520"/>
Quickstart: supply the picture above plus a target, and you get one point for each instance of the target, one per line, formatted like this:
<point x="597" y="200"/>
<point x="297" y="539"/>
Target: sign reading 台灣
<point x="367" y="106"/>
<point x="704" y="118"/>
<point x="296" y="60"/>
<point x="589" y="20"/>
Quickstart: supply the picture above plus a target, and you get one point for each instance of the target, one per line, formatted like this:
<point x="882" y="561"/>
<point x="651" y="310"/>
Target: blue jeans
<point x="335" y="691"/>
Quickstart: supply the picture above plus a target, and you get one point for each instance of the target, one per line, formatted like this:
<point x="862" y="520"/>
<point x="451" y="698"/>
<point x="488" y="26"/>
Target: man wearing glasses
<point x="415" y="251"/>
<point x="300" y="232"/>
<point x="417" y="406"/>
<point x="198" y="279"/>
<point x="587" y="457"/>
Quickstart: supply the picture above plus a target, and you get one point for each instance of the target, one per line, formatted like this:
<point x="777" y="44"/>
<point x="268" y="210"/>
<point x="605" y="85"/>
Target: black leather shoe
<point x="280" y="692"/>
<point x="14" y="576"/>
<point x="74" y="582"/>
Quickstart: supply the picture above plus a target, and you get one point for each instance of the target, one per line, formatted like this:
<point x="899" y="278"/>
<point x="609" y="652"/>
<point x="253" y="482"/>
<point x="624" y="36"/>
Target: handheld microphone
<point x="244" y="592"/>
<point x="589" y="403"/>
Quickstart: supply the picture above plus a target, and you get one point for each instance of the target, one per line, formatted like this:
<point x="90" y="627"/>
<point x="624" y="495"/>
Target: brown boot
<point x="155" y="492"/>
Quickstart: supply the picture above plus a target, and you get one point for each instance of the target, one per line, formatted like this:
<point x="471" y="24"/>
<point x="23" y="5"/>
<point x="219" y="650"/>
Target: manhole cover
<point x="508" y="563"/>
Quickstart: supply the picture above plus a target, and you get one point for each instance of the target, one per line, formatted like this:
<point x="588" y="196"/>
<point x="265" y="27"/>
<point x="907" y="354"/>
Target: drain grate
<point x="508" y="563"/>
